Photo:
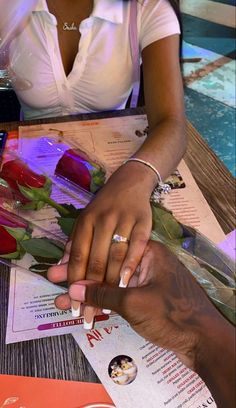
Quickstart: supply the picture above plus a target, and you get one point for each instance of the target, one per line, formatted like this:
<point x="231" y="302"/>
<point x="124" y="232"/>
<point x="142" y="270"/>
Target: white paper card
<point x="137" y="373"/>
<point x="32" y="313"/>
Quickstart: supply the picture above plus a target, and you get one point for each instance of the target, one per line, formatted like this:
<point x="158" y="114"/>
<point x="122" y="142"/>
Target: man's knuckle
<point x="99" y="296"/>
<point x="128" y="303"/>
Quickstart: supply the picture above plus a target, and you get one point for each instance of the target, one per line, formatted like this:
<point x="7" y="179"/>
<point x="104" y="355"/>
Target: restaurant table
<point x="60" y="357"/>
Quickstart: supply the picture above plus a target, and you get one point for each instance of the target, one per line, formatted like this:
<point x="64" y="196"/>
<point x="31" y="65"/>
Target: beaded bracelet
<point x="161" y="187"/>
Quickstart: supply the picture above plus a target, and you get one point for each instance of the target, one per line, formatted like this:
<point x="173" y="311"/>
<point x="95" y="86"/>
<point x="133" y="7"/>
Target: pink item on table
<point x="229" y="245"/>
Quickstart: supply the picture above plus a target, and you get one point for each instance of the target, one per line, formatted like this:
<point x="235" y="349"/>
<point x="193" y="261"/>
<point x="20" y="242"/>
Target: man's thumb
<point x="99" y="295"/>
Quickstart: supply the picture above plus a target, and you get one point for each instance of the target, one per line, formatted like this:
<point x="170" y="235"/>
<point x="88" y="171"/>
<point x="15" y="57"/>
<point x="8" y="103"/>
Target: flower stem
<point x="58" y="207"/>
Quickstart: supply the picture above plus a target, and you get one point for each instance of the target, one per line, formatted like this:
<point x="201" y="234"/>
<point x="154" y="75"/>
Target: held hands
<point x="167" y="307"/>
<point x="121" y="207"/>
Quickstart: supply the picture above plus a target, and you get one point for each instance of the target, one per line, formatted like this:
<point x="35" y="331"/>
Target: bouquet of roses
<point x="31" y="191"/>
<point x="24" y="189"/>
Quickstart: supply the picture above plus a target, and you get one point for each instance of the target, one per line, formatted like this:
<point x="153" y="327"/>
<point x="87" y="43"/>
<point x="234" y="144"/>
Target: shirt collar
<point x="110" y="10"/>
<point x="41" y="5"/>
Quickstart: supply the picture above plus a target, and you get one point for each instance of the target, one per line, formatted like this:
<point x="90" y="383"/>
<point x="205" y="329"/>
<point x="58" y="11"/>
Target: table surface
<point x="59" y="356"/>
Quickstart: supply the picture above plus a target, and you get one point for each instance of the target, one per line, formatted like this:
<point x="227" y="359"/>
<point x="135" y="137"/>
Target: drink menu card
<point x="137" y="373"/>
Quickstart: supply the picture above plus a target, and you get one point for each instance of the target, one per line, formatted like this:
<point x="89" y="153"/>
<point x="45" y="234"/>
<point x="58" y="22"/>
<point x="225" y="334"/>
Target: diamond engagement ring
<point x="116" y="239"/>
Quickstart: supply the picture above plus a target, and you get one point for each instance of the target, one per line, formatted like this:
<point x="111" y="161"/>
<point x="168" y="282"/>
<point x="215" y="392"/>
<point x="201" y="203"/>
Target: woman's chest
<point x="69" y="15"/>
<point x="102" y="71"/>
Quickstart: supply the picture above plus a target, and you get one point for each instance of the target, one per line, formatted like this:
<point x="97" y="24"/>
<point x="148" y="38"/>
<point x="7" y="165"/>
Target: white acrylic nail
<point x="122" y="284"/>
<point x="125" y="277"/>
<point x="75" y="311"/>
<point x="88" y="325"/>
<point x="89" y="313"/>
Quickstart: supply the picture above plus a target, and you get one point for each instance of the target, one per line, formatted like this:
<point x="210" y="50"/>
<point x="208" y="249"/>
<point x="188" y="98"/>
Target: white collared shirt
<point x="101" y="77"/>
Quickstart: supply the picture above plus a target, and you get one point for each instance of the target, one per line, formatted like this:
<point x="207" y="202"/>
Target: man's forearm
<point x="216" y="361"/>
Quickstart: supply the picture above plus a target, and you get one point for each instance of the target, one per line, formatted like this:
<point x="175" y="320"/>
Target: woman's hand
<point x="121" y="207"/>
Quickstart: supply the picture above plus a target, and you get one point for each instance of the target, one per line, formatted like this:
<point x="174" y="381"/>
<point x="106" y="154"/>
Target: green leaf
<point x="73" y="212"/>
<point x="43" y="260"/>
<point x="32" y="205"/>
<point x="39" y="205"/>
<point x="165" y="224"/>
<point x="42" y="247"/>
<point x="48" y="185"/>
<point x="3" y="183"/>
<point x="66" y="225"/>
<point x="39" y="268"/>
<point x="27" y="192"/>
<point x="228" y="312"/>
<point x="19" y="234"/>
<point x="42" y="270"/>
<point x="59" y="244"/>
<point x="97" y="181"/>
<point x="35" y="194"/>
<point x="13" y="255"/>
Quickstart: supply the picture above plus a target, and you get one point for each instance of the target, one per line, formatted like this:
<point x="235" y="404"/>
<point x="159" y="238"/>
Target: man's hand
<point x="169" y="308"/>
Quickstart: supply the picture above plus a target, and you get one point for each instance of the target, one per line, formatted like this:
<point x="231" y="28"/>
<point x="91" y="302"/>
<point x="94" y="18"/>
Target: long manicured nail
<point x="106" y="311"/>
<point x="125" y="277"/>
<point x="75" y="308"/>
<point x="89" y="313"/>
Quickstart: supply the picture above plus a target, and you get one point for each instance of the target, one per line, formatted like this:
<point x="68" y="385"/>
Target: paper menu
<point x="28" y="392"/>
<point x="191" y="208"/>
<point x="112" y="140"/>
<point x="137" y="373"/>
<point x="32" y="313"/>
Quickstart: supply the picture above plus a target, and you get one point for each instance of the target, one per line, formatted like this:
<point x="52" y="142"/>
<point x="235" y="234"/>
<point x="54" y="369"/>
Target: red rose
<point x="76" y="167"/>
<point x="8" y="244"/>
<point x="28" y="187"/>
<point x="13" y="230"/>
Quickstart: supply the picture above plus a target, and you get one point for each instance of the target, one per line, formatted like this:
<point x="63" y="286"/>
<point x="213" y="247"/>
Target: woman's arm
<point x="164" y="100"/>
<point x="122" y="206"/>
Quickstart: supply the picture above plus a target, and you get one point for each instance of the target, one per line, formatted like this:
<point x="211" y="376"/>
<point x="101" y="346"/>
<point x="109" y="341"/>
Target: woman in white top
<point x="89" y="68"/>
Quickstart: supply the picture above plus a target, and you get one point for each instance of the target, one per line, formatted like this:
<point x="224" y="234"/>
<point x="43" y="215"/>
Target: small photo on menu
<point x="175" y="180"/>
<point x="122" y="370"/>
